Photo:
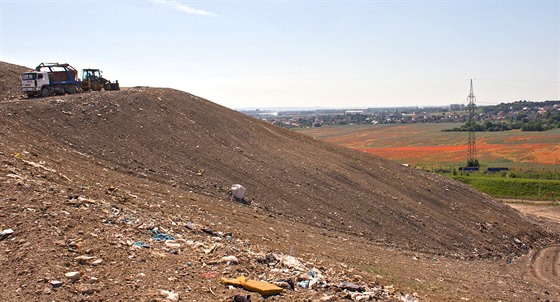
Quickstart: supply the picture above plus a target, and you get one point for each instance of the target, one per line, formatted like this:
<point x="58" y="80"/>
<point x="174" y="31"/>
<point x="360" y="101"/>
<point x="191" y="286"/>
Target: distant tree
<point x="473" y="163"/>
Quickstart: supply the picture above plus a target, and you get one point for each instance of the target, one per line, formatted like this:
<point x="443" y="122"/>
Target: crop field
<point x="427" y="145"/>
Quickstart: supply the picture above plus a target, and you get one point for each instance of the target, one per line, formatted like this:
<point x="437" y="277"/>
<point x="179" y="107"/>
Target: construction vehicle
<point x="50" y="78"/>
<point x="92" y="80"/>
<point x="53" y="78"/>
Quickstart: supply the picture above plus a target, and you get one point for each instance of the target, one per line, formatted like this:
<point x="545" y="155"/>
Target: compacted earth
<point x="126" y="195"/>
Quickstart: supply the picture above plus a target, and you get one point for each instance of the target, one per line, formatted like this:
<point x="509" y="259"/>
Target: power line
<point x="515" y="80"/>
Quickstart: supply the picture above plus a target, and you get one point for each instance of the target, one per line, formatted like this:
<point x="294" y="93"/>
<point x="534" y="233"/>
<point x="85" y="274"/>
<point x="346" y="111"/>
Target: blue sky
<point x="300" y="53"/>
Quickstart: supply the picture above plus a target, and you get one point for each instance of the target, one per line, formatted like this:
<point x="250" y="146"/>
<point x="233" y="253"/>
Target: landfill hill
<point x="10" y="85"/>
<point x="96" y="174"/>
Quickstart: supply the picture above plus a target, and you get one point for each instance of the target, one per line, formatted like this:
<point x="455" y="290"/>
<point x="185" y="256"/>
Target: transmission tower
<point x="472" y="161"/>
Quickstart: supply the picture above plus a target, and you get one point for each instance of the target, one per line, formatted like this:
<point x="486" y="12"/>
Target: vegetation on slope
<point x="522" y="188"/>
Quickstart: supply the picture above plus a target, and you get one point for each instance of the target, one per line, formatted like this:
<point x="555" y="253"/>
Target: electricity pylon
<point x="472" y="161"/>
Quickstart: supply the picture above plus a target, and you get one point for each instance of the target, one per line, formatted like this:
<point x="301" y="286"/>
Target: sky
<point x="336" y="54"/>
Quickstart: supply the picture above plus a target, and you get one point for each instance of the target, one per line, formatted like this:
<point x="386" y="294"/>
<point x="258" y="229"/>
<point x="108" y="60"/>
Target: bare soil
<point x="541" y="210"/>
<point x="94" y="174"/>
<point x="10" y="84"/>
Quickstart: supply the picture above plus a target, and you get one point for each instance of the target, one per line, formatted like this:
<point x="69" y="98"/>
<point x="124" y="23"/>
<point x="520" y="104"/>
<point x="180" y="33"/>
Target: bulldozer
<point x="92" y="80"/>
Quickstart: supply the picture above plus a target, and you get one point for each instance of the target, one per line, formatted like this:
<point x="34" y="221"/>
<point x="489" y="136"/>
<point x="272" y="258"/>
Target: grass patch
<point x="521" y="188"/>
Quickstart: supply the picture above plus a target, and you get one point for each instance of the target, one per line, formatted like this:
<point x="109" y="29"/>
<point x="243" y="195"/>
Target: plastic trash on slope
<point x="261" y="287"/>
<point x="238" y="191"/>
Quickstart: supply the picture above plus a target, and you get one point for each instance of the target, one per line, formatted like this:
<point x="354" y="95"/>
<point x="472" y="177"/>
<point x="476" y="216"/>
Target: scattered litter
<point x="350" y="287"/>
<point x="140" y="244"/>
<point x="36" y="165"/>
<point x="229" y="260"/>
<point x="169" y="295"/>
<point x="238" y="191"/>
<point x="242" y="298"/>
<point x="211" y="232"/>
<point x="291" y="262"/>
<point x="172" y="244"/>
<point x="312" y="279"/>
<point x="192" y="226"/>
<point x="261" y="287"/>
<point x="365" y="296"/>
<point x="285" y="284"/>
<point x="6" y="233"/>
<point x="234" y="282"/>
<point x="303" y="284"/>
<point x="409" y="298"/>
<point x="158" y="236"/>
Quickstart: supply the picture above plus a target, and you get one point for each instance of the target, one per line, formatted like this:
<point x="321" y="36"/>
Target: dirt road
<point x="546" y="265"/>
<point x="548" y="212"/>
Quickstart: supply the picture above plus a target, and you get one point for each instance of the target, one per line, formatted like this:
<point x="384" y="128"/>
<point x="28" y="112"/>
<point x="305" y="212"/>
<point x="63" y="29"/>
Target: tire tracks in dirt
<point x="545" y="265"/>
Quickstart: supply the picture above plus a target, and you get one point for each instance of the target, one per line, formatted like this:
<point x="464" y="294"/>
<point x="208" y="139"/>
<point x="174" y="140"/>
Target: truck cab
<point x="33" y="81"/>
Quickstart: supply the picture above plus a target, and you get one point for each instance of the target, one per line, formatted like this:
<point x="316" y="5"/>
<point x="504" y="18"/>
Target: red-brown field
<point x="426" y="144"/>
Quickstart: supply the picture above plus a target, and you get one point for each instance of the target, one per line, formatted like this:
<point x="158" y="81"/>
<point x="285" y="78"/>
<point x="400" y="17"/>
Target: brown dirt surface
<point x="10" y="85"/>
<point x="99" y="174"/>
<point x="542" y="210"/>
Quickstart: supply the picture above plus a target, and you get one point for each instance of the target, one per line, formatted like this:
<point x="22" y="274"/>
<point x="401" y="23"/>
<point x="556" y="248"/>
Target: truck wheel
<point x="45" y="92"/>
<point x="72" y="89"/>
<point x="96" y="86"/>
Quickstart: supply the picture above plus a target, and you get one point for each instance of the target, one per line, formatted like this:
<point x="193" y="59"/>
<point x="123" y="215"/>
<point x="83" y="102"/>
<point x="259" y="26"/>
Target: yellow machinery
<point x="92" y="80"/>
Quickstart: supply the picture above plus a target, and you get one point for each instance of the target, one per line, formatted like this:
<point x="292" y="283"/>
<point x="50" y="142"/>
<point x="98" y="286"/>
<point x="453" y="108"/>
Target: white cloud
<point x="184" y="8"/>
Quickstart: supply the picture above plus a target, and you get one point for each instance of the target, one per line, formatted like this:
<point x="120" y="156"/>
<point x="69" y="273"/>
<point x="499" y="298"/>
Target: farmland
<point x="427" y="145"/>
<point x="532" y="157"/>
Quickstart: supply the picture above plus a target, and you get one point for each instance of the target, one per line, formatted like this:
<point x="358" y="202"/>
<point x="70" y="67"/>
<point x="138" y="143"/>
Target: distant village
<point x="524" y="115"/>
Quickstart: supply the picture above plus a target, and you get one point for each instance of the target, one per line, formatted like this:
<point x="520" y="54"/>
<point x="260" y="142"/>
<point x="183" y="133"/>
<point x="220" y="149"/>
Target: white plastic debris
<point x="6" y="233"/>
<point x="169" y="295"/>
<point x="229" y="260"/>
<point x="238" y="191"/>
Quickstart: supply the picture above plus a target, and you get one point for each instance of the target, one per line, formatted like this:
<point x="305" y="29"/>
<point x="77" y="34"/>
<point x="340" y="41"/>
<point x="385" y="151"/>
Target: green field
<point x="519" y="188"/>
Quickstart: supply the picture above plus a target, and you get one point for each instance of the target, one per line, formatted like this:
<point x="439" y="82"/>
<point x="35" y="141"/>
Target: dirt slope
<point x="10" y="85"/>
<point x="93" y="174"/>
<point x="179" y="139"/>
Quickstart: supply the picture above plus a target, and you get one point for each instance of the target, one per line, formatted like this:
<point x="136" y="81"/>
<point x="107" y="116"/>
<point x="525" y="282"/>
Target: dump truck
<point x="50" y="78"/>
<point x="93" y="80"/>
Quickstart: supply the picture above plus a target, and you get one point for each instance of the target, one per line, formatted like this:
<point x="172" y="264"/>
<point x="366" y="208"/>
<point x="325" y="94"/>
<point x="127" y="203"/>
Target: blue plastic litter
<point x="161" y="237"/>
<point x="158" y="236"/>
<point x="141" y="244"/>
<point x="312" y="273"/>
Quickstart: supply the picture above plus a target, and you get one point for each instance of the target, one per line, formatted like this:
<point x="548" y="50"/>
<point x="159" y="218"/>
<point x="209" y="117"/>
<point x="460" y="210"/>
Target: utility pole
<point x="472" y="161"/>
